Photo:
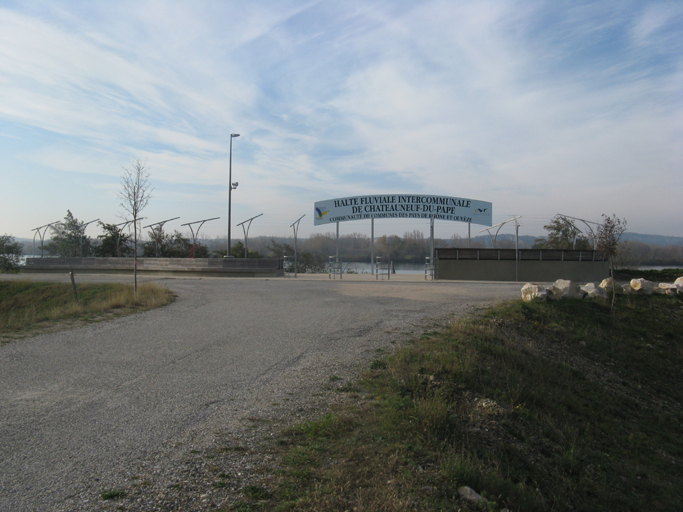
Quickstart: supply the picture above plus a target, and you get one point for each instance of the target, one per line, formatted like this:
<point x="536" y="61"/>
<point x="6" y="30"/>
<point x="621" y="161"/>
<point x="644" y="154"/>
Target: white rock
<point x="467" y="493"/>
<point x="608" y="283"/>
<point x="535" y="292"/>
<point x="667" y="289"/>
<point x="591" y="290"/>
<point x="565" y="289"/>
<point x="678" y="283"/>
<point x="642" y="286"/>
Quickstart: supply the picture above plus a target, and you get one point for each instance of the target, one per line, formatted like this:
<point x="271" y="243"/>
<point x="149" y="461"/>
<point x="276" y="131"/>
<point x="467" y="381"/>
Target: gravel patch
<point x="170" y="409"/>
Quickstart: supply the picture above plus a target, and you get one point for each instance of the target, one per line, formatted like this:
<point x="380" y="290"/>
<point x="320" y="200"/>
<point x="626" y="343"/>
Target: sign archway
<point x="401" y="206"/>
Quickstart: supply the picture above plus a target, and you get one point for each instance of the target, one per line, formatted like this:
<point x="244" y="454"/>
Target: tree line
<point x="313" y="252"/>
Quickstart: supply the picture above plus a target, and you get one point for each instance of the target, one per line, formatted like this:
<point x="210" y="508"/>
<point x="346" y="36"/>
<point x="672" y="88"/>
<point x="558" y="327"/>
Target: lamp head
<point x="234" y="135"/>
<point x="234" y="185"/>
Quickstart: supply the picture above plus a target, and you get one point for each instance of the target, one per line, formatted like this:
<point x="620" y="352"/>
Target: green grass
<point x="113" y="494"/>
<point x="552" y="406"/>
<point x="28" y="306"/>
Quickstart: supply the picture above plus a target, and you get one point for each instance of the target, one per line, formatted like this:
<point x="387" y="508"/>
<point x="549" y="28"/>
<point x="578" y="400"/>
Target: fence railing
<point x="524" y="254"/>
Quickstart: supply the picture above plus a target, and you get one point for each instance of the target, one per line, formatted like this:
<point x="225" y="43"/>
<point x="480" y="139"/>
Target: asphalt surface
<point x="82" y="410"/>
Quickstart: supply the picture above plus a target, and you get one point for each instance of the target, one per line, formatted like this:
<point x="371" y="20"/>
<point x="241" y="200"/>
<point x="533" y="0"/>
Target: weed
<point x="378" y="364"/>
<point x="255" y="492"/>
<point x="113" y="494"/>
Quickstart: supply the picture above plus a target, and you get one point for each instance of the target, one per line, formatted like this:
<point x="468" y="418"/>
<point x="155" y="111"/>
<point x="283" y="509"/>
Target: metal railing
<point x="334" y="267"/>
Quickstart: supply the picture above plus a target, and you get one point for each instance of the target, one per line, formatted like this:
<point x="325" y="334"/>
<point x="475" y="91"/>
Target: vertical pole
<point x="295" y="263"/>
<point x="516" y="252"/>
<point x="469" y="238"/>
<point x="372" y="246"/>
<point x="431" y="236"/>
<point x="338" y="264"/>
<point x="229" y="197"/>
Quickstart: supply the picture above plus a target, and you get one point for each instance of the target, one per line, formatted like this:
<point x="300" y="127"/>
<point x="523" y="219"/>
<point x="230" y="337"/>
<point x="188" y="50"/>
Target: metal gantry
<point x="42" y="236"/>
<point x="593" y="235"/>
<point x="494" y="239"/>
<point x="118" y="236"/>
<point x="80" y="241"/>
<point x="118" y="233"/>
<point x="195" y="235"/>
<point x="295" y="227"/>
<point x="157" y="232"/>
<point x="246" y="232"/>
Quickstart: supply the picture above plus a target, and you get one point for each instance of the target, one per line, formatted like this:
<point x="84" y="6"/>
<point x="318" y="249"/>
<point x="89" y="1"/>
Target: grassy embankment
<point x="558" y="406"/>
<point x="27" y="307"/>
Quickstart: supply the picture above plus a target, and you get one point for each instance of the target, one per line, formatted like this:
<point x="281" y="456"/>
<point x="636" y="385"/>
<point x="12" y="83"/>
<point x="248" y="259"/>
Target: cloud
<point x="532" y="105"/>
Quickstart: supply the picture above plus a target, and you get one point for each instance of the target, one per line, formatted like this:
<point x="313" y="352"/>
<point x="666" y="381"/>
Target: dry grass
<point x="559" y="406"/>
<point x="28" y="307"/>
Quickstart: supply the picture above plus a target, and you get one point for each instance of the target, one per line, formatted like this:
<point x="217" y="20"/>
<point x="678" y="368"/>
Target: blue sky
<point x="540" y="107"/>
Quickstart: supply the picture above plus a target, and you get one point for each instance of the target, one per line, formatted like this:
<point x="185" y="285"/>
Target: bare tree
<point x="609" y="235"/>
<point x="135" y="194"/>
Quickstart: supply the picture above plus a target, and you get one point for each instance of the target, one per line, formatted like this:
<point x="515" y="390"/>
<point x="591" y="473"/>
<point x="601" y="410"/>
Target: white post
<point x="517" y="252"/>
<point x="372" y="246"/>
<point x="431" y="235"/>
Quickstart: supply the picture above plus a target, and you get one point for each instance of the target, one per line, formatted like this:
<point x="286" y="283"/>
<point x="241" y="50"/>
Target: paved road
<point x="83" y="410"/>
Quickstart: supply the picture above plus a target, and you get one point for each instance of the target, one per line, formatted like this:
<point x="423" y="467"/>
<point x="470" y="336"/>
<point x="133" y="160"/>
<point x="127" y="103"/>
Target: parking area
<point x="85" y="409"/>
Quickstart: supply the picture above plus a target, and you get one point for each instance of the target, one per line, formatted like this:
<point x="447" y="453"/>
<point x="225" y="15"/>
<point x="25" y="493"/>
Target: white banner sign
<point x="399" y="206"/>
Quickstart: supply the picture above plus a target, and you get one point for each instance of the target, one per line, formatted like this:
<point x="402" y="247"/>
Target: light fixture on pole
<point x="230" y="189"/>
<point x="295" y="227"/>
<point x="246" y="233"/>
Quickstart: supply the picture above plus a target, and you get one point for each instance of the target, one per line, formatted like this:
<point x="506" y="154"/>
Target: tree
<point x="68" y="242"/>
<point x="173" y="246"/>
<point x="113" y="243"/>
<point x="609" y="235"/>
<point x="68" y="238"/>
<point x="309" y="262"/>
<point x="562" y="234"/>
<point x="10" y="252"/>
<point x="276" y="250"/>
<point x="237" y="251"/>
<point x="135" y="195"/>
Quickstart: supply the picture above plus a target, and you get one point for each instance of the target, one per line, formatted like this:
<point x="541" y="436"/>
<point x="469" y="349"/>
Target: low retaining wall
<point x="533" y="266"/>
<point x="214" y="267"/>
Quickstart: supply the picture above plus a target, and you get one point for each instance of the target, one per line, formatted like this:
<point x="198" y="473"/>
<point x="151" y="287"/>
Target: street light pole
<point x="231" y="186"/>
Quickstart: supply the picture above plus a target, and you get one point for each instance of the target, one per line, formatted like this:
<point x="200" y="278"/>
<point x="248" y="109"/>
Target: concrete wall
<point x="534" y="265"/>
<point x="220" y="267"/>
<point x="529" y="271"/>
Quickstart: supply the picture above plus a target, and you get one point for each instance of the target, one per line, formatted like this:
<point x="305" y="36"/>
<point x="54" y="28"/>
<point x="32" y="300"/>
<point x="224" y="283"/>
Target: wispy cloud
<point x="535" y="106"/>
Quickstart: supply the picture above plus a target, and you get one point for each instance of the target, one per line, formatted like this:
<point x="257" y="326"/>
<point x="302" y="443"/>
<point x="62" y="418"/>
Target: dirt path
<point x="137" y="403"/>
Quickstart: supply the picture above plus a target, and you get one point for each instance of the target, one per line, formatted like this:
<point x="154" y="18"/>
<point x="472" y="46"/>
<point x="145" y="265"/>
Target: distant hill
<point x="653" y="239"/>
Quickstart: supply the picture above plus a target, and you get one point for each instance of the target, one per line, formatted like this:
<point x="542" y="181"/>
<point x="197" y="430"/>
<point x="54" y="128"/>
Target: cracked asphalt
<point x="83" y="410"/>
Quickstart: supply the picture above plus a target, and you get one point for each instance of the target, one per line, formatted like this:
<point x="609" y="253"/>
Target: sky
<point x="539" y="107"/>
